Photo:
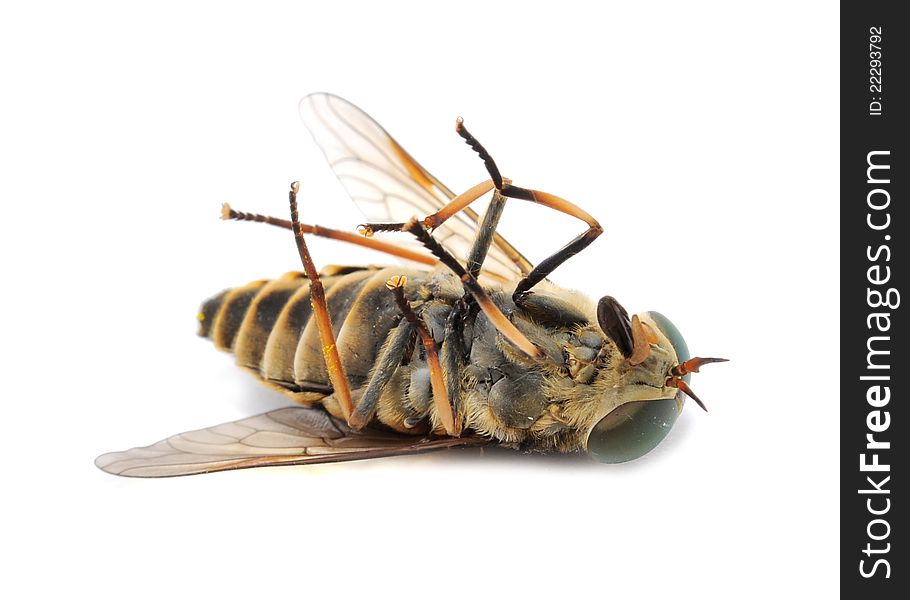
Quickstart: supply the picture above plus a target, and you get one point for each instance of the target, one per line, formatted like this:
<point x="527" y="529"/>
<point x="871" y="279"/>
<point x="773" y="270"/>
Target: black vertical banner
<point x="874" y="367"/>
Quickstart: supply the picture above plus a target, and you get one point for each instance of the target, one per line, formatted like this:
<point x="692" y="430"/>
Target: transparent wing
<point x="387" y="184"/>
<point x="288" y="436"/>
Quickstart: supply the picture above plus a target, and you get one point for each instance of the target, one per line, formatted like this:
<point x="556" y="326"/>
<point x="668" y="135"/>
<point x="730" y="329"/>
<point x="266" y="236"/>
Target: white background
<point x="703" y="136"/>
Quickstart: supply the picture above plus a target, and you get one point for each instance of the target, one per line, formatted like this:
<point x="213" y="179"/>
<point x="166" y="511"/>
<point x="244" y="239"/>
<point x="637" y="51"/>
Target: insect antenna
<point x="690" y="366"/>
<point x="685" y="389"/>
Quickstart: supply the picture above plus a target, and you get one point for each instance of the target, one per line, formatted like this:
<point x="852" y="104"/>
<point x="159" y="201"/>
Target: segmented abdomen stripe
<point x="268" y="325"/>
<point x="261" y="314"/>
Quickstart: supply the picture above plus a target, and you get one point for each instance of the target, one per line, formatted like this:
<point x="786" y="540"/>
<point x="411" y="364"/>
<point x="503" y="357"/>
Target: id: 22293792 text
<point x="875" y="71"/>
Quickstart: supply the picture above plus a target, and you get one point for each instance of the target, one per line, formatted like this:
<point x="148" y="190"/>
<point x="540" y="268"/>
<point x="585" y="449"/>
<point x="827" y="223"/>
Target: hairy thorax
<point x="499" y="391"/>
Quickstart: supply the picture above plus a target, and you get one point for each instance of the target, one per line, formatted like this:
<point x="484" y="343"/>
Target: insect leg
<point x="455" y="205"/>
<point x="485" y="233"/>
<point x="496" y="317"/>
<point x="321" y="313"/>
<point x="454" y="355"/>
<point x="453" y="351"/>
<point x="395" y="349"/>
<point x="229" y="214"/>
<point x="437" y="382"/>
<point x="549" y="264"/>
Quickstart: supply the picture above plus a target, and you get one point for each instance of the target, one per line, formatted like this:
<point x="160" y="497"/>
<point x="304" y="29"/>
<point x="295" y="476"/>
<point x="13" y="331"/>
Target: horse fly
<point x="475" y="347"/>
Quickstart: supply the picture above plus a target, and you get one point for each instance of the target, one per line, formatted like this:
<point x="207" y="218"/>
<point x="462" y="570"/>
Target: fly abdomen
<point x="261" y="315"/>
<point x="221" y="316"/>
<point x="368" y="323"/>
<point x="269" y="327"/>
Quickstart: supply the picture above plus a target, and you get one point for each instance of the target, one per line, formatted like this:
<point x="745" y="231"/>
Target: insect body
<point x="479" y="349"/>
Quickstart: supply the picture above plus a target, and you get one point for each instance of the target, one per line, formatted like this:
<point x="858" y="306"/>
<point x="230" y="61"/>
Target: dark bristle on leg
<point x="368" y="229"/>
<point x="488" y="161"/>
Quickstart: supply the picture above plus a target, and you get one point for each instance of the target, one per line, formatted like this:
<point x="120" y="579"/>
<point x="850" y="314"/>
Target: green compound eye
<point x="634" y="429"/>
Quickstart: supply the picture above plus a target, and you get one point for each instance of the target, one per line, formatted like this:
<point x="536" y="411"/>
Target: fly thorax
<point x="500" y="394"/>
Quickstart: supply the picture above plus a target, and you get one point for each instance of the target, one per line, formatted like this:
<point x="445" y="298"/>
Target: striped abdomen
<point x="268" y="327"/>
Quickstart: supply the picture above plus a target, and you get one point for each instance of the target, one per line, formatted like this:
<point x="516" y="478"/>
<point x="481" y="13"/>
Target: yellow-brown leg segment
<point x="229" y="214"/>
<point x="321" y="313"/>
<point x="456" y="204"/>
<point x="437" y="381"/>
